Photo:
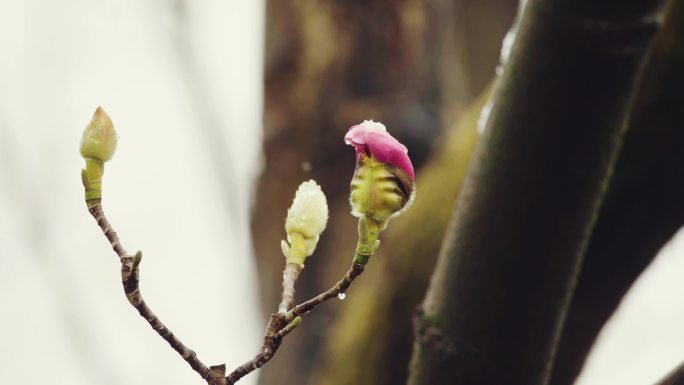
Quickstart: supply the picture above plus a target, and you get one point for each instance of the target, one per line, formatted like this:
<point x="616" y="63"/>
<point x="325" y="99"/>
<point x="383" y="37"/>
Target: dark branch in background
<point x="643" y="209"/>
<point x="506" y="273"/>
<point x="644" y="206"/>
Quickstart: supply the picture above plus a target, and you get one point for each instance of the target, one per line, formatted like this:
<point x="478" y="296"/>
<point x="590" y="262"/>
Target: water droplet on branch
<point x="341" y="296"/>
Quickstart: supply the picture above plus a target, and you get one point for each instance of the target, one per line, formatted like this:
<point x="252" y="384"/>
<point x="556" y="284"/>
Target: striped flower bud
<point x="306" y="220"/>
<point x="383" y="182"/>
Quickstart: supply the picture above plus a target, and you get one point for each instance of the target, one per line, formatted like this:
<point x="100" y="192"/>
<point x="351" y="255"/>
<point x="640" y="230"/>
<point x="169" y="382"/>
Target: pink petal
<point x="355" y="136"/>
<point x="381" y="145"/>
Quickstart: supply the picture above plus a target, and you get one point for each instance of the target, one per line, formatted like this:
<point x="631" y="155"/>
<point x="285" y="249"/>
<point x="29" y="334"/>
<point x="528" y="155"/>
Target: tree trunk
<point x="644" y="206"/>
<point x="504" y="279"/>
<point x="395" y="284"/>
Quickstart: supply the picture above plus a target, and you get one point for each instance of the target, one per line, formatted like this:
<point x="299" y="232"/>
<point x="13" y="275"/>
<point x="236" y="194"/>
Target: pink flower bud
<point x="372" y="139"/>
<point x="383" y="183"/>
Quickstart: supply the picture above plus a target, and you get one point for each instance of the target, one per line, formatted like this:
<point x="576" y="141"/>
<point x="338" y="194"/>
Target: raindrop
<point x="341" y="296"/>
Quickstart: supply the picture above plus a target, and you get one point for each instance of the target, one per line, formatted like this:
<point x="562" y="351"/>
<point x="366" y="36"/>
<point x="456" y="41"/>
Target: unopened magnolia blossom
<point x="98" y="144"/>
<point x="383" y="183"/>
<point x="306" y="220"/>
<point x="99" y="137"/>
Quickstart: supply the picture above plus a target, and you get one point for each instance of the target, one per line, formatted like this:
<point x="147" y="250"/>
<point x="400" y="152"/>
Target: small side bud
<point x="306" y="220"/>
<point x="99" y="137"/>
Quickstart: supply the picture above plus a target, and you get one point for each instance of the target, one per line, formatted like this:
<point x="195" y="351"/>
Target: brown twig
<point x="279" y="326"/>
<point x="290" y="275"/>
<point x="271" y="344"/>
<point x="130" y="277"/>
<point x="340" y="288"/>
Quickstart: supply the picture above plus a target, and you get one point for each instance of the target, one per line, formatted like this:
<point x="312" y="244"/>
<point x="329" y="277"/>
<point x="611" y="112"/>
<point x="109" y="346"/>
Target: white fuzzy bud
<point x="306" y="220"/>
<point x="373" y="126"/>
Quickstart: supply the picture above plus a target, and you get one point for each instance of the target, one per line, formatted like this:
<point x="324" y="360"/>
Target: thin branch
<point x="97" y="213"/>
<point x="290" y="276"/>
<point x="130" y="277"/>
<point x="271" y="344"/>
<point x="340" y="288"/>
<point x="281" y="324"/>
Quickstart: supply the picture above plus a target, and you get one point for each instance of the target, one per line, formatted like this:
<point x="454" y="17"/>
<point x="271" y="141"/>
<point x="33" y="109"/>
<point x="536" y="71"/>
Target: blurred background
<point x="222" y="109"/>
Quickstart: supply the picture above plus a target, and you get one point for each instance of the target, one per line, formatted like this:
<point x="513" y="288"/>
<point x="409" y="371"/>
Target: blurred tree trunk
<point x="332" y="64"/>
<point x="504" y="279"/>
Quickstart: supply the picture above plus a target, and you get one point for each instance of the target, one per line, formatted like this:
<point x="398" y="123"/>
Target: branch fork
<point x="279" y="326"/>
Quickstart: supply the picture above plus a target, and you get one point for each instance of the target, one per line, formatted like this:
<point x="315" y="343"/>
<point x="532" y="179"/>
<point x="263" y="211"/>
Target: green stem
<point x="368" y="242"/>
<point x="92" y="180"/>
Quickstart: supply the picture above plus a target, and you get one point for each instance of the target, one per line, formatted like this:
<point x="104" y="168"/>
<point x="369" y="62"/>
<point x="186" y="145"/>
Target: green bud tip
<point x="137" y="258"/>
<point x="99" y="138"/>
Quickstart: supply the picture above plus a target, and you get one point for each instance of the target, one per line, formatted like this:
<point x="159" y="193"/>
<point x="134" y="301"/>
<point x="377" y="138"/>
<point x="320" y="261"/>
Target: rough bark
<point x="504" y="279"/>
